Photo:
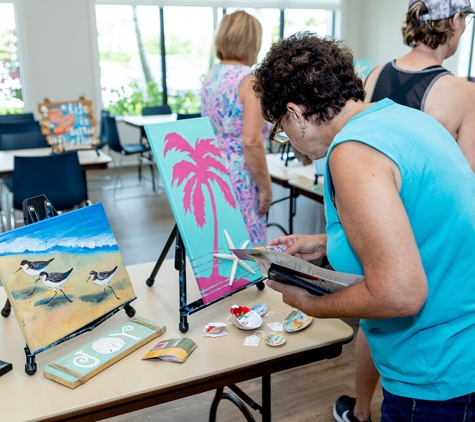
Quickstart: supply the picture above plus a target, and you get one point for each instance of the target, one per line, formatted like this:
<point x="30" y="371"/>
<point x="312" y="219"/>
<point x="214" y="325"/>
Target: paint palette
<point x="296" y="321"/>
<point x="244" y="318"/>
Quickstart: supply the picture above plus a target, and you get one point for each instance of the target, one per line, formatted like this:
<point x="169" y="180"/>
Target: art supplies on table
<point x="172" y="350"/>
<point x="81" y="365"/>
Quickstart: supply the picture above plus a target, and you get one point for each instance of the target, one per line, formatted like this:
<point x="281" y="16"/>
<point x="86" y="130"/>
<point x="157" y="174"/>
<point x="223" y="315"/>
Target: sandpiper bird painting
<point x="79" y="241"/>
<point x="55" y="281"/>
<point x="103" y="278"/>
<point x="33" y="268"/>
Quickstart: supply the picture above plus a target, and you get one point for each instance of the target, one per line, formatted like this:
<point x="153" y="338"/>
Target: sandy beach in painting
<point x="44" y="323"/>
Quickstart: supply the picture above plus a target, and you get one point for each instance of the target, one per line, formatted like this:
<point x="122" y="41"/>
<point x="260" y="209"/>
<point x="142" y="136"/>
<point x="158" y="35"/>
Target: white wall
<point x="58" y="51"/>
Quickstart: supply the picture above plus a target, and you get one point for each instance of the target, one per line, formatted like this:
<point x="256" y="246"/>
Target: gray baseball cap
<point x="443" y="9"/>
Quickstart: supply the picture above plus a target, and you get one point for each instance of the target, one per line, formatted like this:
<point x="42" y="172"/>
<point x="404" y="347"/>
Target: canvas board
<point x="68" y="125"/>
<point x="81" y="240"/>
<point x="203" y="203"/>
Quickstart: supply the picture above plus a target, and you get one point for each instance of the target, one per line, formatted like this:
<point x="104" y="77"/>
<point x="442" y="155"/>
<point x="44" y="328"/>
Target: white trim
<point x="279" y="4"/>
<point x="95" y="65"/>
<point x="21" y="30"/>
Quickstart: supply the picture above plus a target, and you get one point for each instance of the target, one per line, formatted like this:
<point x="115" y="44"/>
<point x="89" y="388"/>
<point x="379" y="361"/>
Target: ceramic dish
<point x="296" y="321"/>
<point x="245" y="318"/>
<point x="261" y="309"/>
<point x="275" y="340"/>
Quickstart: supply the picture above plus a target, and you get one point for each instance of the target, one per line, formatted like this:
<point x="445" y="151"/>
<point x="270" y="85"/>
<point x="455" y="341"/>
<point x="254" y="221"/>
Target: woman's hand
<point x="293" y="296"/>
<point x="307" y="247"/>
<point x="265" y="199"/>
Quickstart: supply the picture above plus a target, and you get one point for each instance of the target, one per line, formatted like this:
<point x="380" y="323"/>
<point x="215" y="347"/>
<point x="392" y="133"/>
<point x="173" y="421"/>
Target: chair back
<point x="102" y="133"/>
<point x="187" y="116"/>
<point x="111" y="133"/>
<point x="20" y="127"/>
<point x="9" y="141"/>
<point x="17" y="118"/>
<point x="59" y="177"/>
<point x="154" y="110"/>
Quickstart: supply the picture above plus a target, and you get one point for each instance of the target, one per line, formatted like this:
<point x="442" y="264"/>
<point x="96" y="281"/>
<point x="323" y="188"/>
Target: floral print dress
<point x="220" y="102"/>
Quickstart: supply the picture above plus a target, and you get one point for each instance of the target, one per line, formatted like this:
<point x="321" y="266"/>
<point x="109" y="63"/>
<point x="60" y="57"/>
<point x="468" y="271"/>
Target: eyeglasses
<point x="468" y="19"/>
<point x="278" y="135"/>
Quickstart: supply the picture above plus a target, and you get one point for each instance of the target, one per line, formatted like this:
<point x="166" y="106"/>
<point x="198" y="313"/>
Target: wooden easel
<point x="34" y="210"/>
<point x="180" y="265"/>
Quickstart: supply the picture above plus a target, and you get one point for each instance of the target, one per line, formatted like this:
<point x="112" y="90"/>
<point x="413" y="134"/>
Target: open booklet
<point x="290" y="269"/>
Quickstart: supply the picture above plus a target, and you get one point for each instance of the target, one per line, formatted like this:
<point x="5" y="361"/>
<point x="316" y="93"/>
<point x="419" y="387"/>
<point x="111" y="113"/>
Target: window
<point x="129" y="57"/>
<point x="314" y="20"/>
<point x="10" y="84"/>
<point x="130" y="36"/>
<point x="188" y="45"/>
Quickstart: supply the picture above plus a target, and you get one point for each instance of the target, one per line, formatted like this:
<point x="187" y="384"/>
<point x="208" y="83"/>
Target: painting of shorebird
<point x="45" y="268"/>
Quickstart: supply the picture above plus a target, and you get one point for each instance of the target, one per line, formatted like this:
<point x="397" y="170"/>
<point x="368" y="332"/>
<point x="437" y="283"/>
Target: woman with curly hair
<point x="399" y="200"/>
<point x="228" y="100"/>
<point x="433" y="29"/>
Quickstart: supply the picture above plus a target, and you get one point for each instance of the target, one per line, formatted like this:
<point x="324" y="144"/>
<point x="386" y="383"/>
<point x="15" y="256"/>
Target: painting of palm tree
<point x="197" y="175"/>
<point x="202" y="200"/>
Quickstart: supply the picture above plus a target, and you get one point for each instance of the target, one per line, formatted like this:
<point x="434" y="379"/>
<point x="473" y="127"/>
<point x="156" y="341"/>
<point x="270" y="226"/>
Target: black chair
<point x="142" y="150"/>
<point x="59" y="177"/>
<point x="17" y="118"/>
<point x="9" y="141"/>
<point x="154" y="110"/>
<point x="102" y="134"/>
<point x="180" y="116"/>
<point x="20" y="127"/>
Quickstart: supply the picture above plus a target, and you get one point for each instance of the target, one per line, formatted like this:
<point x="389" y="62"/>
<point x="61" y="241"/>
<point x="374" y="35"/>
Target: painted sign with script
<point x="68" y="124"/>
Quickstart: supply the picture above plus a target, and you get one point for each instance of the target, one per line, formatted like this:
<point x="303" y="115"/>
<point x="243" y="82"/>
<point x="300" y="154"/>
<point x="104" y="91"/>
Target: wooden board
<point x="68" y="124"/>
<point x="81" y="365"/>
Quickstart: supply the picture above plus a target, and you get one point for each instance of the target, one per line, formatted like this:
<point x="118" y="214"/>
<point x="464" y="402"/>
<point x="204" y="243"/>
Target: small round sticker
<point x="275" y="340"/>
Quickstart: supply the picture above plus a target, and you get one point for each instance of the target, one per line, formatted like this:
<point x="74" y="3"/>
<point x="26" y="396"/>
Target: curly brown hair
<point x="430" y="33"/>
<point x="316" y="73"/>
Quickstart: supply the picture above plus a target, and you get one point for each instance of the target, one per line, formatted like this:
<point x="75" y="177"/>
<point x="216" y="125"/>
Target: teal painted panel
<point x="92" y="358"/>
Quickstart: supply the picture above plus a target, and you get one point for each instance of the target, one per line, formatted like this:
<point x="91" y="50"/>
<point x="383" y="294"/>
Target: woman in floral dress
<point x="228" y="99"/>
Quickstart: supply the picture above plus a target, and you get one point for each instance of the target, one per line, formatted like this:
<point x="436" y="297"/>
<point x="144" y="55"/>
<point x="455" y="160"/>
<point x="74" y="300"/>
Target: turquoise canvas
<point x="203" y="202"/>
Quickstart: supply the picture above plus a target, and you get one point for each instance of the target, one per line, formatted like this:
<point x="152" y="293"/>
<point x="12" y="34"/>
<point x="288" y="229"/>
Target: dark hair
<point x="430" y="33"/>
<point x="316" y="73"/>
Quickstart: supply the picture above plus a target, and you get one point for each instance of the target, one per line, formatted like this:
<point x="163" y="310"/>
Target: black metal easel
<point x="34" y="210"/>
<point x="180" y="265"/>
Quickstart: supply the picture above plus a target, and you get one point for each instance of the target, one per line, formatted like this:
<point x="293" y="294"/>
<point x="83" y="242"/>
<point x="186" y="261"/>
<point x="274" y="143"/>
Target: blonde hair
<point x="239" y="37"/>
<point x="430" y="33"/>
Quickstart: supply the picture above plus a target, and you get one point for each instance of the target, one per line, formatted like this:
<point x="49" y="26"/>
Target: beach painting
<point x="62" y="273"/>
<point x="204" y="205"/>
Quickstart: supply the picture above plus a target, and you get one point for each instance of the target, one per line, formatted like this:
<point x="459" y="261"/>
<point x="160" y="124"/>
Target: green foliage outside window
<point x="10" y="86"/>
<point x="125" y="104"/>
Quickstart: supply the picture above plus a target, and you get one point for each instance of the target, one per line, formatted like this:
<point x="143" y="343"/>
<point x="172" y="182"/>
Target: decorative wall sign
<point x="203" y="203"/>
<point x="79" y="366"/>
<point x="47" y="268"/>
<point x="68" y="124"/>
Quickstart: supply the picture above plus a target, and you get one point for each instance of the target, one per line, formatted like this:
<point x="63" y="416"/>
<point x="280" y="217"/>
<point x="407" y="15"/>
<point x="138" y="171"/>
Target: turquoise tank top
<point x="430" y="355"/>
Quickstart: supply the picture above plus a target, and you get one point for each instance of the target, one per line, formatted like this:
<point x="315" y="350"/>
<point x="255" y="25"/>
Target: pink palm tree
<point x="199" y="173"/>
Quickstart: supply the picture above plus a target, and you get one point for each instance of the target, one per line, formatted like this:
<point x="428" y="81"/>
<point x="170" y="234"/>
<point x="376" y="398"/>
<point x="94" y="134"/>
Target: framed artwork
<point x="205" y="207"/>
<point x="63" y="273"/>
<point x="68" y="124"/>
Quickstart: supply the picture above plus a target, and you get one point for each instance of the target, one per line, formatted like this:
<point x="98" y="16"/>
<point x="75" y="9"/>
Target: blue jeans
<point x="404" y="409"/>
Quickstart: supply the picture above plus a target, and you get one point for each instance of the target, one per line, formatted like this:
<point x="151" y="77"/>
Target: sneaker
<point x="343" y="410"/>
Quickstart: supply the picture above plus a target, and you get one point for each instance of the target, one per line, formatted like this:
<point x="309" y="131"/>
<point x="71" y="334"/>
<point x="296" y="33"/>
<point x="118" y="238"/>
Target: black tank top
<point x="406" y="87"/>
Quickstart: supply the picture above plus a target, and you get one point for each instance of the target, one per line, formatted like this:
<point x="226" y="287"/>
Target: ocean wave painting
<point x="84" y="231"/>
<point x="62" y="273"/>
